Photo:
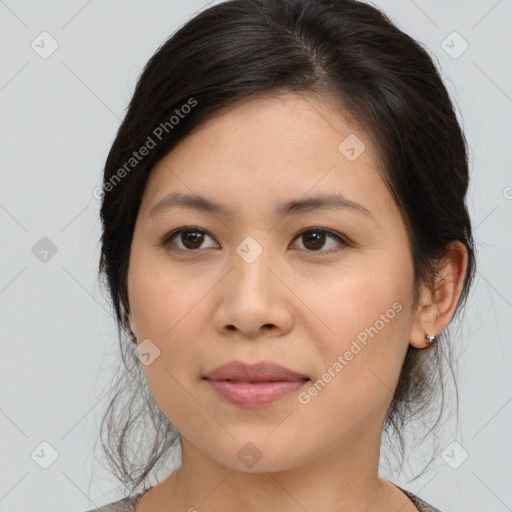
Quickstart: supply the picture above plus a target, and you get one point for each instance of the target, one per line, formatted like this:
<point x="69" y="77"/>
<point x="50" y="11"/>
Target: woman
<point x="285" y="241"/>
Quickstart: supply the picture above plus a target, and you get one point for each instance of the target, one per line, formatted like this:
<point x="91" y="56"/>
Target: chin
<point x="258" y="456"/>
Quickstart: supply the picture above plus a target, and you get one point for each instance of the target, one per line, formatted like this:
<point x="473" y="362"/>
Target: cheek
<point x="166" y="310"/>
<point x="161" y="299"/>
<point x="368" y="316"/>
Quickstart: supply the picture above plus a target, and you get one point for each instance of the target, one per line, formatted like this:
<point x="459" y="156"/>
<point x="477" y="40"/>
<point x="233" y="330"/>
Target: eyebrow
<point x="294" y="206"/>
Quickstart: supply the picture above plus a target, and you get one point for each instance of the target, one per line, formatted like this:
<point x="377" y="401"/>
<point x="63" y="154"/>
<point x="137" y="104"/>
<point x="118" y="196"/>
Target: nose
<point x="254" y="299"/>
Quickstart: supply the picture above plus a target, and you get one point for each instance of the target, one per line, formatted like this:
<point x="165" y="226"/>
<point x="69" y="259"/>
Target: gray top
<point x="130" y="504"/>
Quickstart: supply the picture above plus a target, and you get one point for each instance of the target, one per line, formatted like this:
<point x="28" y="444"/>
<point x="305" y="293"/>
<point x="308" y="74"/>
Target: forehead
<point x="280" y="146"/>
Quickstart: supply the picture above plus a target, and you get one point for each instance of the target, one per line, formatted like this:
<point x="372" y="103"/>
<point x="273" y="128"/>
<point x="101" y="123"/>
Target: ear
<point x="132" y="326"/>
<point x="439" y="299"/>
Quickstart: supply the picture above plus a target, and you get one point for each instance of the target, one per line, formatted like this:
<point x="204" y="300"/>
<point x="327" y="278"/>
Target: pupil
<point x="195" y="236"/>
<point x="318" y="239"/>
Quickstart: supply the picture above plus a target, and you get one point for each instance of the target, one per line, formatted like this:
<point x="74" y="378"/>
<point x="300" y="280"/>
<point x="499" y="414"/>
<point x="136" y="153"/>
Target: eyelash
<point x="192" y="229"/>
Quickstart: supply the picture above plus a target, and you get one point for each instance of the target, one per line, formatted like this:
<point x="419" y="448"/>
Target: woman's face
<point x="333" y="304"/>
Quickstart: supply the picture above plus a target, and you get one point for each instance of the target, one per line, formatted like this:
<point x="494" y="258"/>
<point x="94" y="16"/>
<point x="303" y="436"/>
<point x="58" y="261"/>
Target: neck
<point x="341" y="479"/>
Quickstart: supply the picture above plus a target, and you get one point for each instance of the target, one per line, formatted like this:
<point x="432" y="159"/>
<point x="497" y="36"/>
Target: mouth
<point x="265" y="371"/>
<point x="254" y="385"/>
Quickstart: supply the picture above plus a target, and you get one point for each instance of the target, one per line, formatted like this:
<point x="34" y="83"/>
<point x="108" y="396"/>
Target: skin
<point x="293" y="305"/>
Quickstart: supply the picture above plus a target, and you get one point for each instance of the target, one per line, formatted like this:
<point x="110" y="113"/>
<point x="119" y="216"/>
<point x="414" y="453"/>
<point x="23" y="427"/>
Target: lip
<point x="253" y="385"/>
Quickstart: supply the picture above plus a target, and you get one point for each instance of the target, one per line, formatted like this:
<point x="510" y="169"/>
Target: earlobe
<point x="438" y="300"/>
<point x="132" y="326"/>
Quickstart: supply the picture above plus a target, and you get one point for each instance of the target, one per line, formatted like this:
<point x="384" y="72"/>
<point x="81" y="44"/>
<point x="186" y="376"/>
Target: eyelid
<point x="169" y="236"/>
<point x="334" y="234"/>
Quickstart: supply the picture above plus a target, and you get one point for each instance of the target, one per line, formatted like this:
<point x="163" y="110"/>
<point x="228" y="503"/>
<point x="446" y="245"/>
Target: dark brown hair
<point x="383" y="80"/>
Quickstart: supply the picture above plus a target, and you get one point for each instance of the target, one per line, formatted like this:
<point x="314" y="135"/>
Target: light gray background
<point x="58" y="118"/>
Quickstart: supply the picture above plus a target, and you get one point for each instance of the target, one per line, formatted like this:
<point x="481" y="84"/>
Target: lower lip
<point x="254" y="394"/>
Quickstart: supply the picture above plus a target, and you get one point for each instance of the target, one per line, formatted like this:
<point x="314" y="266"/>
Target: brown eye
<point x="314" y="239"/>
<point x="191" y="239"/>
<point x="186" y="238"/>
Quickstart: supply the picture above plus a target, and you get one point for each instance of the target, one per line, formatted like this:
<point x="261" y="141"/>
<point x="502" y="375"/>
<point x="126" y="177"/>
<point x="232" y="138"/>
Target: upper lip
<point x="263" y="371"/>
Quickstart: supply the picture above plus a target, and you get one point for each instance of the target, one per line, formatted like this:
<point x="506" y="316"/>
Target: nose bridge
<point x="251" y="261"/>
<point x="253" y="292"/>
